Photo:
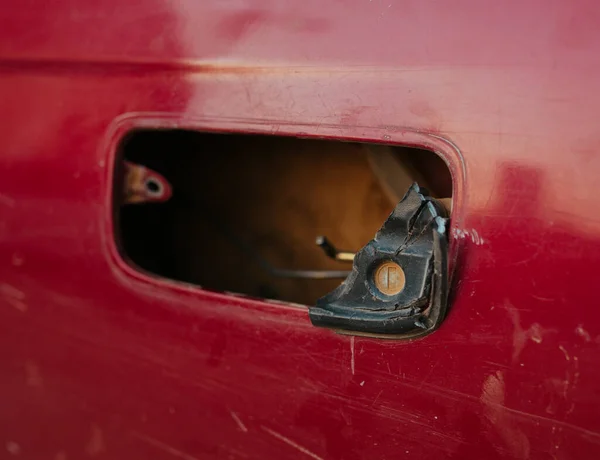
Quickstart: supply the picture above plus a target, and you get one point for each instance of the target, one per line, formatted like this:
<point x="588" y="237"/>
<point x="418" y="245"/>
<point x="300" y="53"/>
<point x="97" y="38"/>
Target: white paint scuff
<point x="352" y="354"/>
<point x="565" y="352"/>
<point x="581" y="332"/>
<point x="471" y="234"/>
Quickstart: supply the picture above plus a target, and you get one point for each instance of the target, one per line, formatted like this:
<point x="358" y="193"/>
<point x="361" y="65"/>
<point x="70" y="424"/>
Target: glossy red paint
<point x="97" y="360"/>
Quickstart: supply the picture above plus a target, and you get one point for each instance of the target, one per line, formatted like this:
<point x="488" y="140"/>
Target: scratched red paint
<point x="98" y="361"/>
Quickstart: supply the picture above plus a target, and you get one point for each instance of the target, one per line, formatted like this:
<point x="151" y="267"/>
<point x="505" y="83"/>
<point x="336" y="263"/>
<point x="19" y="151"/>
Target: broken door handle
<point x="398" y="285"/>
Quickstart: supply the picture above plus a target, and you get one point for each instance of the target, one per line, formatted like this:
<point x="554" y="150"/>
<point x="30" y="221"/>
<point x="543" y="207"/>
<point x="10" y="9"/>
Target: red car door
<point x="99" y="359"/>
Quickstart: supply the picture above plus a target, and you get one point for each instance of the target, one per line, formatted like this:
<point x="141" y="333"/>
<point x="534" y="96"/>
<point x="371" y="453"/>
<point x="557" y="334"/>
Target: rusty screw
<point x="389" y="278"/>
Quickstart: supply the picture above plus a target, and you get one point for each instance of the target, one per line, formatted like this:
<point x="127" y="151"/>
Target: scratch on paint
<point x="162" y="446"/>
<point x="352" y="354"/>
<point x="239" y="422"/>
<point x="574" y="382"/>
<point x="576" y="366"/>
<point x="454" y="395"/>
<point x="291" y="443"/>
<point x="377" y="398"/>
<point x="542" y="299"/>
<point x="347" y="421"/>
<point x="565" y="352"/>
<point x="571" y="377"/>
<point x="535" y="332"/>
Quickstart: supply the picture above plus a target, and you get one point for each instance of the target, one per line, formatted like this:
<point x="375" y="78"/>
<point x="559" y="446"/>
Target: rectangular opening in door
<point x="242" y="213"/>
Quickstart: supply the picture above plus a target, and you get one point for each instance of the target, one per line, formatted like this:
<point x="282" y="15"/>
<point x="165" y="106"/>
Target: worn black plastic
<point x="414" y="236"/>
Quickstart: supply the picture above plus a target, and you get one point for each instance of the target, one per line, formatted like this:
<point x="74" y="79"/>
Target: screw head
<point x="389" y="278"/>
